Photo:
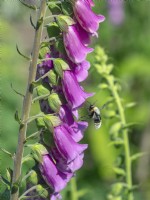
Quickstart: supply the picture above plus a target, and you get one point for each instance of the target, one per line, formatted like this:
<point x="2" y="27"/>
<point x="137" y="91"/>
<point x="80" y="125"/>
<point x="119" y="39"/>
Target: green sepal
<point x="40" y="123"/>
<point x="60" y="46"/>
<point x="42" y="192"/>
<point x="41" y="90"/>
<point x="48" y="138"/>
<point x="110" y="114"/>
<point x="54" y="8"/>
<point x="51" y="121"/>
<point x="119" y="171"/>
<point x="60" y="65"/>
<point x="28" y="161"/>
<point x="53" y="30"/>
<point x="52" y="77"/>
<point x="55" y="102"/>
<point x="117" y="142"/>
<point x="43" y="50"/>
<point x="33" y="178"/>
<point x="64" y="21"/>
<point x="103" y="86"/>
<point x="66" y="8"/>
<point x="9" y="174"/>
<point x="37" y="151"/>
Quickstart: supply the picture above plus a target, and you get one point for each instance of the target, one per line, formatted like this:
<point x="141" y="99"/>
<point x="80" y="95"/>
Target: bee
<point x="94" y="112"/>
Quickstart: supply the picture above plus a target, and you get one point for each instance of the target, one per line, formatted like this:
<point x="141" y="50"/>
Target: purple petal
<point x="75" y="49"/>
<point x="72" y="90"/>
<point x="65" y="144"/>
<point x="66" y="115"/>
<point x="91" y="3"/>
<point x="51" y="174"/>
<point x="84" y="35"/>
<point x="55" y="196"/>
<point x="86" y="17"/>
<point x="78" y="130"/>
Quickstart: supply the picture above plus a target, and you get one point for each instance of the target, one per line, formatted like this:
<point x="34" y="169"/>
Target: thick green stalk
<point x="128" y="163"/>
<point x="27" y="101"/>
<point x="74" y="193"/>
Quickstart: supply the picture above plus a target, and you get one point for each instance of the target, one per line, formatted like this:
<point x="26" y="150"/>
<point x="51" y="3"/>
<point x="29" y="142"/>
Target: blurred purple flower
<point x="116" y="11"/>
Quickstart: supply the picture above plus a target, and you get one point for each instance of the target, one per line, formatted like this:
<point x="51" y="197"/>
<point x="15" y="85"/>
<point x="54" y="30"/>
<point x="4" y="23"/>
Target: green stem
<point x="27" y="103"/>
<point x="74" y="193"/>
<point x="128" y="163"/>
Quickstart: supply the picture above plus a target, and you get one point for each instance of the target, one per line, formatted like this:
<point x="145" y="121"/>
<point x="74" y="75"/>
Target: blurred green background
<point x="128" y="47"/>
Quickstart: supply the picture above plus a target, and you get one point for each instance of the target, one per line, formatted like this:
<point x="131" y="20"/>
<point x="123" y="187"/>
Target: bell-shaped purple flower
<point x="86" y="17"/>
<point x="52" y="176"/>
<point x="81" y="71"/>
<point x="75" y="49"/>
<point x="74" y="94"/>
<point x="65" y="144"/>
<point x="63" y="166"/>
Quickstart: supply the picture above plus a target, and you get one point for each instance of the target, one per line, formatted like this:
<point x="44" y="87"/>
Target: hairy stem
<point x="128" y="163"/>
<point x="74" y="193"/>
<point x="27" y="102"/>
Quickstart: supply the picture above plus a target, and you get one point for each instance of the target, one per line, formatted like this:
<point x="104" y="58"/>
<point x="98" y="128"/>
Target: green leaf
<point x="138" y="155"/>
<point x="54" y="8"/>
<point x="119" y="171"/>
<point x="130" y="105"/>
<point x="67" y="8"/>
<point x="26" y="57"/>
<point x="32" y="24"/>
<point x="6" y="152"/>
<point x="53" y="30"/>
<point x="29" y="5"/>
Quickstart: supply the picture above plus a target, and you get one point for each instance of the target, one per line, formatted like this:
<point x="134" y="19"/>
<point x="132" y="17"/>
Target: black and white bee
<point x="95" y="114"/>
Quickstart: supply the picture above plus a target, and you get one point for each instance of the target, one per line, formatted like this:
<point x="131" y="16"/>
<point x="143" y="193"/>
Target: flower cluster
<point x="61" y="73"/>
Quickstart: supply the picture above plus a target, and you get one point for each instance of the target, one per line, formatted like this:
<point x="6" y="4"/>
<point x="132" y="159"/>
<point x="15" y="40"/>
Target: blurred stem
<point x="128" y="163"/>
<point x="27" y="103"/>
<point x="74" y="193"/>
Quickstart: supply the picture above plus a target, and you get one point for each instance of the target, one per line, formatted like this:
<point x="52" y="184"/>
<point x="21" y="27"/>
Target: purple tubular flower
<point x="81" y="71"/>
<point x="65" y="144"/>
<point x="75" y="49"/>
<point x="86" y="17"/>
<point x="55" y="196"/>
<point x="84" y="35"/>
<point x="53" y="177"/>
<point x="72" y="90"/>
<point x="63" y="166"/>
